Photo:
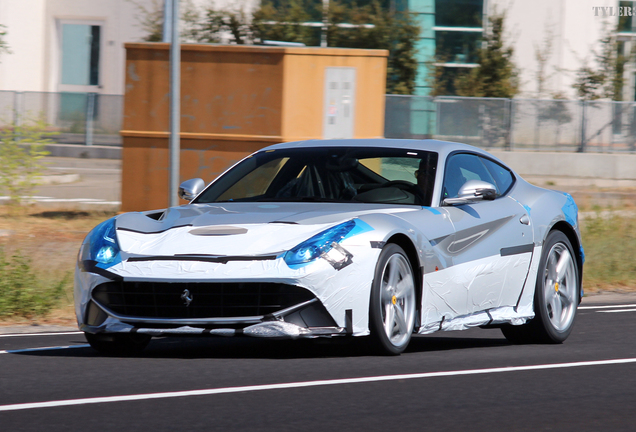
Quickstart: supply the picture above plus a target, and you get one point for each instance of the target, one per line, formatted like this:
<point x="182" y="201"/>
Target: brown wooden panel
<point x="234" y="100"/>
<point x="146" y="164"/>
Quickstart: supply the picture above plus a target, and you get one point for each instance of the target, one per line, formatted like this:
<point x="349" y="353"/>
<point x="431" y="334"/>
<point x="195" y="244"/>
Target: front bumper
<point x="341" y="294"/>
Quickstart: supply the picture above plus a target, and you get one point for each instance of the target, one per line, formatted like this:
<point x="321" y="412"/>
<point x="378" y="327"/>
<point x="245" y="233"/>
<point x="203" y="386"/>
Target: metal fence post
<point x="510" y="104"/>
<point x="17" y="98"/>
<point x="17" y="114"/>
<point x="90" y="113"/>
<point x="437" y="116"/>
<point x="583" y="127"/>
<point x="632" y="129"/>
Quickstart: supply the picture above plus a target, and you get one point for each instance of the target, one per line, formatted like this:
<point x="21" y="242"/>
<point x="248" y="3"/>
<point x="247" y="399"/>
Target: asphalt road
<point x="95" y="184"/>
<point x="472" y="380"/>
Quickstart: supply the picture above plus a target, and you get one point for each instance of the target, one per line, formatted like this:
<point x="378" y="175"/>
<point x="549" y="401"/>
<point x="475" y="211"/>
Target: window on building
<point x="458" y="34"/>
<point x="80" y="54"/>
<point x="457" y="46"/>
<point x="459" y="13"/>
<point x="625" y="21"/>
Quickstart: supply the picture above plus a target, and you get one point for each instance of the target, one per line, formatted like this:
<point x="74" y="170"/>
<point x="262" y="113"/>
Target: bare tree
<point x="542" y="54"/>
<point x="150" y="19"/>
<point x="4" y="46"/>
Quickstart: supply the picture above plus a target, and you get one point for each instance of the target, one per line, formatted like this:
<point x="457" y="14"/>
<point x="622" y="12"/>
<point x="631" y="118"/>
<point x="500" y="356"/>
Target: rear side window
<point x="502" y="176"/>
<point x="461" y="168"/>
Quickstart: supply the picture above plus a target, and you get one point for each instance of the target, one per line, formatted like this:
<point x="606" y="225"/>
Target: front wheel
<point x="118" y="344"/>
<point x="392" y="306"/>
<point x="556" y="295"/>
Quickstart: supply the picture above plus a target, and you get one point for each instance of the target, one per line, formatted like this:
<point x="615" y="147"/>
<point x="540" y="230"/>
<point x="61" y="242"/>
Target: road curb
<point x="58" y="179"/>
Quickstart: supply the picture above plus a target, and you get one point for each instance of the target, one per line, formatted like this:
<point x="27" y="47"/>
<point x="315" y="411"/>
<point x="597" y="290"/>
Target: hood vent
<point x="217" y="230"/>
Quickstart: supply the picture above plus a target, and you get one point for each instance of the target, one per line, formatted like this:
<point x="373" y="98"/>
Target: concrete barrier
<point x="579" y="165"/>
<point x="603" y="166"/>
<point x="84" y="151"/>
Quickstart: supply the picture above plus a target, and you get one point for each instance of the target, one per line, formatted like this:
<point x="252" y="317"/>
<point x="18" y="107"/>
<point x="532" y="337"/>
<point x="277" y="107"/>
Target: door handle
<point x="525" y="220"/>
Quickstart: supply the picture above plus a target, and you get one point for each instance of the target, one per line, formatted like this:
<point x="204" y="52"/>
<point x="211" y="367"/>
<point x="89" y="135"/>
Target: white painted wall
<point x="575" y="31"/>
<point x="25" y="26"/>
<point x="34" y="38"/>
<point x="33" y="35"/>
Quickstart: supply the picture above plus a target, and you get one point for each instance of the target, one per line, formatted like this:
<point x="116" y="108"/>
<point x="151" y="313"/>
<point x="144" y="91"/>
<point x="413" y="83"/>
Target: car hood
<point x="231" y="229"/>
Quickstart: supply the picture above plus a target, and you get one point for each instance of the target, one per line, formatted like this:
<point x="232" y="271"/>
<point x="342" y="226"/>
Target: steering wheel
<point x="406" y="186"/>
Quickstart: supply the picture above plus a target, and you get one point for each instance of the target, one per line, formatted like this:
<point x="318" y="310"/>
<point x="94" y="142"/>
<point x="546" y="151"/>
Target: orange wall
<point x="234" y="100"/>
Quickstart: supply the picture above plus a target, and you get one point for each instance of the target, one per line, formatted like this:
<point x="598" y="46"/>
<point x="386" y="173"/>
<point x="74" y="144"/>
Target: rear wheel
<point x="118" y="344"/>
<point x="556" y="295"/>
<point x="392" y="306"/>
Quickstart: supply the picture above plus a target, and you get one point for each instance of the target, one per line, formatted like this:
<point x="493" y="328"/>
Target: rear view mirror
<point x="473" y="191"/>
<point x="191" y="188"/>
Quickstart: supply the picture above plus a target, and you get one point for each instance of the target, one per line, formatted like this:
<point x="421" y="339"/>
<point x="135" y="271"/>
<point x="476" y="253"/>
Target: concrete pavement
<point x="78" y="183"/>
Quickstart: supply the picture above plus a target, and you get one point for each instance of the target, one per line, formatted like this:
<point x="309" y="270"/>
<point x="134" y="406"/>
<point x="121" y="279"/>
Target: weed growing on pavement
<point x="22" y="292"/>
<point x="610" y="247"/>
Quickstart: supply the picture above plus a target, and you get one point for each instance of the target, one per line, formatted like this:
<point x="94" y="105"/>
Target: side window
<point x="502" y="175"/>
<point x="459" y="169"/>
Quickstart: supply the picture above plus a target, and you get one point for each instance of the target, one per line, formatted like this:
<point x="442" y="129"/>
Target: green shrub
<point x="22" y="146"/>
<point x="22" y="293"/>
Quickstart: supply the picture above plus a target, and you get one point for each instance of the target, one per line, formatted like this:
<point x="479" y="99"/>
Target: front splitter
<point x="269" y="329"/>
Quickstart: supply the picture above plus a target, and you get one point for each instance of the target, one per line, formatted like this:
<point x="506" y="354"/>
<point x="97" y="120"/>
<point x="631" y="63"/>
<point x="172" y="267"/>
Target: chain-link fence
<point x="515" y="124"/>
<point x="78" y="118"/>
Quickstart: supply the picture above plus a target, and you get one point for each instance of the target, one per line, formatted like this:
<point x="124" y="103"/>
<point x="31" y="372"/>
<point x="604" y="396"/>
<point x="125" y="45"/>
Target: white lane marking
<point x="40" y="334"/>
<point x="42" y="349"/>
<point x="608" y="307"/>
<point x="292" y="385"/>
<point x="616" y="310"/>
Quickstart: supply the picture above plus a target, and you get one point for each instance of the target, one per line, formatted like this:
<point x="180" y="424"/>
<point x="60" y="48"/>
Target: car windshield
<point x="329" y="174"/>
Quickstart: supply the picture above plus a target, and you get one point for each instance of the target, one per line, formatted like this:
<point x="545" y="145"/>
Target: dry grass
<point x="51" y="239"/>
<point x="609" y="241"/>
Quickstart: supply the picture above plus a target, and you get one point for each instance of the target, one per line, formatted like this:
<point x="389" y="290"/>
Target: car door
<point x="491" y="245"/>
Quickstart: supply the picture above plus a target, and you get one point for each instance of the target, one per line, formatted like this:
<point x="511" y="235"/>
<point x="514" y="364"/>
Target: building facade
<point x="66" y="45"/>
<point x="77" y="45"/>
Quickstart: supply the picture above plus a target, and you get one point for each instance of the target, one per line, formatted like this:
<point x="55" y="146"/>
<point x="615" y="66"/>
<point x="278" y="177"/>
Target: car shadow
<point x="251" y="348"/>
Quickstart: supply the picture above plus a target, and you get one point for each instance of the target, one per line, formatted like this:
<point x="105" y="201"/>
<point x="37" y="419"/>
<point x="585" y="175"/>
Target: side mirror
<point x="191" y="188"/>
<point x="473" y="191"/>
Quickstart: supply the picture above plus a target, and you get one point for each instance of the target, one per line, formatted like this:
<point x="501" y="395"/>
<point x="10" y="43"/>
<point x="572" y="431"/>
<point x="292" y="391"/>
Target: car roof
<point x="443" y="148"/>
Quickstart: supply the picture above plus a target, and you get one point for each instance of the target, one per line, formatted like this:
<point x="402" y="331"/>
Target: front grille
<point x="208" y="300"/>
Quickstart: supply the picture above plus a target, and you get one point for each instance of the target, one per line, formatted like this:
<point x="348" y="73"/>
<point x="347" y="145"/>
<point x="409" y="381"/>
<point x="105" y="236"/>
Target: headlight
<point x="321" y="243"/>
<point x="101" y="245"/>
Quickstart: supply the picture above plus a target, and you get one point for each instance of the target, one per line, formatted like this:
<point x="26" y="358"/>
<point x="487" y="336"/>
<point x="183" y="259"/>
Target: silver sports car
<point x="375" y="237"/>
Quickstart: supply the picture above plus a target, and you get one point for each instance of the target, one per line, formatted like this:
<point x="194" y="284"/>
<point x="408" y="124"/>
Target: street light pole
<point x="325" y="22"/>
<point x="175" y="97"/>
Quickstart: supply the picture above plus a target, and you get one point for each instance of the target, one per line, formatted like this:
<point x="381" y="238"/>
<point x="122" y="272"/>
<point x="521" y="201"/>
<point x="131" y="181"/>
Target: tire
<point x="556" y="295"/>
<point x="119" y="344"/>
<point x="392" y="306"/>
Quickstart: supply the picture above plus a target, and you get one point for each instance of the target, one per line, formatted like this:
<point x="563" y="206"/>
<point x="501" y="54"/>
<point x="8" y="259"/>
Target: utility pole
<point x="171" y="34"/>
